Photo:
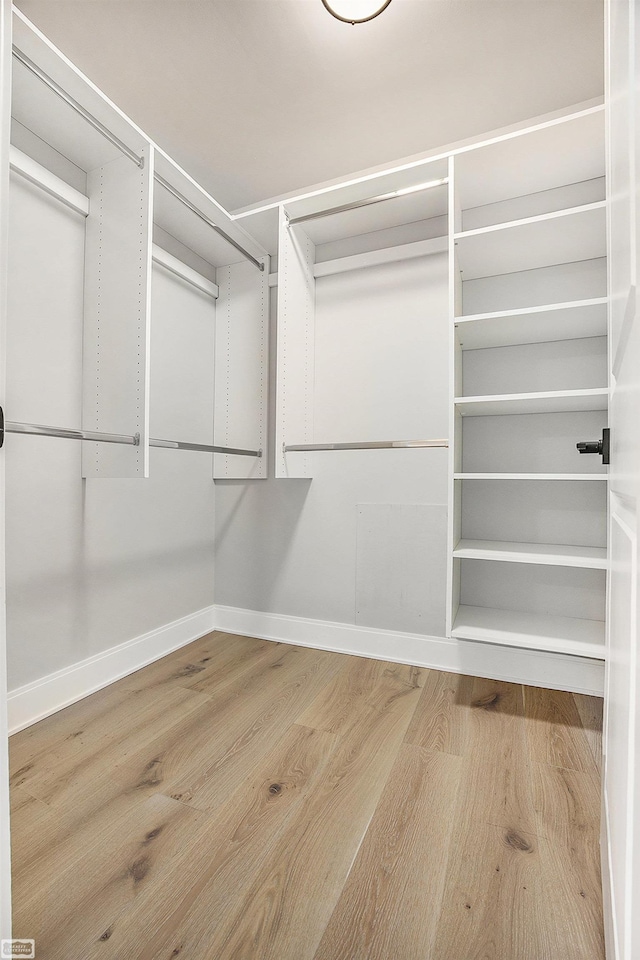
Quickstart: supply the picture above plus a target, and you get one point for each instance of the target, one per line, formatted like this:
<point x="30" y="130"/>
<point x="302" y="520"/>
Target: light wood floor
<point x="248" y="800"/>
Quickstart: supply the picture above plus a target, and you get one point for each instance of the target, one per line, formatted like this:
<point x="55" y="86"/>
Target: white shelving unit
<point x="529" y="307"/>
<point x="116" y="177"/>
<point x="381" y="231"/>
<point x="525" y="221"/>
<point x="141" y="208"/>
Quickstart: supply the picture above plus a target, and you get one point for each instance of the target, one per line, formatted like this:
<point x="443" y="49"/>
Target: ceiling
<point x="259" y="98"/>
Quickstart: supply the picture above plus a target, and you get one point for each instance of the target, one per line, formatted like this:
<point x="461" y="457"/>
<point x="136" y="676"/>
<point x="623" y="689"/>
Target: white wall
<point x="364" y="541"/>
<point x="92" y="564"/>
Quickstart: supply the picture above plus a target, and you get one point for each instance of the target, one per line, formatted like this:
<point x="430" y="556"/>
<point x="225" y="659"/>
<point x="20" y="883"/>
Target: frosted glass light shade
<point x="355" y="11"/>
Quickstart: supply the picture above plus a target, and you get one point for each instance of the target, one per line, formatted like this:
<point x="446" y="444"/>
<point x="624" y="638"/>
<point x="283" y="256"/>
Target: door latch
<point x="597" y="446"/>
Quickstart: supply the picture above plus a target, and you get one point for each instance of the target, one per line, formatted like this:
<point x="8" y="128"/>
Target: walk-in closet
<point x="320" y="532"/>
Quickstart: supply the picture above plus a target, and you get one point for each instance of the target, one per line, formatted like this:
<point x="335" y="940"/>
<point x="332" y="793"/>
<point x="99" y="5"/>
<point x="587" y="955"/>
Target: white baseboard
<point x="612" y="951"/>
<point x="34" y="701"/>
<point x="532" y="667"/>
<point x="39" y="699"/>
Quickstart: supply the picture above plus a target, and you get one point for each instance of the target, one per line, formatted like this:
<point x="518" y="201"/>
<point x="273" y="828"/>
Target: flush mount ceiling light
<point x="355" y="11"/>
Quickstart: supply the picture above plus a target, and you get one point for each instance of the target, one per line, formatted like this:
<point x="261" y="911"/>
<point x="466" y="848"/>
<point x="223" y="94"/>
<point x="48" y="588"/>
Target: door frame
<point x="621" y="773"/>
<point x="5" y="123"/>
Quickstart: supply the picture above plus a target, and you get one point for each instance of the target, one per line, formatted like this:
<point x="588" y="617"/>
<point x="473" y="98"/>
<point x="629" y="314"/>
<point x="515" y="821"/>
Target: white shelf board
<point x="572" y="320"/>
<point x="531" y="476"/>
<point x="374" y="185"/>
<point x="414" y="207"/>
<point x="533" y="631"/>
<point x="374" y="258"/>
<point x="553" y="401"/>
<point x="549" y="554"/>
<point x="511" y="167"/>
<point x="565" y="236"/>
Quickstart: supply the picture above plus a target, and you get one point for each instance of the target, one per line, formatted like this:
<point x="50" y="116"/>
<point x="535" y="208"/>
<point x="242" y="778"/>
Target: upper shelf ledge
<point x="553" y="401"/>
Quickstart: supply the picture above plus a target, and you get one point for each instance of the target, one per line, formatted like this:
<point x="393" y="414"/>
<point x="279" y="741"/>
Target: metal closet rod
<point x="366" y="445"/>
<point x="117" y="142"/>
<point x="68" y="99"/>
<point x="207" y="448"/>
<point x="214" y="226"/>
<point x="366" y="203"/>
<point x="67" y="433"/>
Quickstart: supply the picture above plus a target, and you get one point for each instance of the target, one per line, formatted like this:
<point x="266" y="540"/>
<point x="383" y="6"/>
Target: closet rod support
<point x="368" y="201"/>
<point x="205" y="447"/>
<point x="214" y="226"/>
<point x="68" y="99"/>
<point x="68" y="433"/>
<point x="367" y="445"/>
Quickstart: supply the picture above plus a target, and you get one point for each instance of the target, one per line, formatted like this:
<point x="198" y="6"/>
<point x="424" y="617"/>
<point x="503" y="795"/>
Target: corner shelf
<point x="578" y="233"/>
<point x="554" y="401"/>
<point x="550" y="554"/>
<point x="533" y="631"/>
<point x="571" y="320"/>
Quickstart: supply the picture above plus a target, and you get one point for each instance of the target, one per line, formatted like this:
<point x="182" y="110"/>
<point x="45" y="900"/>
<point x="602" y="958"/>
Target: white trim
<point x="180" y="269"/>
<point x="532" y="667"/>
<point x="34" y="701"/>
<point x="530" y="125"/>
<point x="5" y="126"/>
<point x="40" y="699"/>
<point x="608" y="892"/>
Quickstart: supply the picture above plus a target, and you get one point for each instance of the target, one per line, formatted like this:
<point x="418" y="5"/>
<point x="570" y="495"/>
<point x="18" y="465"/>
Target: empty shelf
<point x="532" y="631"/>
<point x="551" y="554"/>
<point x="564" y="236"/>
<point x="554" y="401"/>
<point x="572" y="320"/>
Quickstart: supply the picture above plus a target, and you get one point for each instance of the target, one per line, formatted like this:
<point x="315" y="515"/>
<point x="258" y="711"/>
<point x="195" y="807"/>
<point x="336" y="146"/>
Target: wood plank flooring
<point x="249" y="800"/>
